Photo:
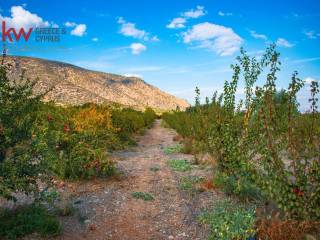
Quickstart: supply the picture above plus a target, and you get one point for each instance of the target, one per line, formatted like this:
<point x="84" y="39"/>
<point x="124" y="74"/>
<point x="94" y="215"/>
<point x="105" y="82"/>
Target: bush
<point x="143" y="195"/>
<point x="173" y="149"/>
<point x="27" y="220"/>
<point x="149" y="116"/>
<point x="128" y="121"/>
<point x="229" y="221"/>
<point x="181" y="165"/>
<point x="240" y="186"/>
<point x="20" y="162"/>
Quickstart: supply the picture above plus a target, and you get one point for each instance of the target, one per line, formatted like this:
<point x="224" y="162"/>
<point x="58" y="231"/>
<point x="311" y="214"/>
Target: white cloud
<point x="223" y="14"/>
<point x="79" y="30"/>
<point x="311" y="34"/>
<point x="132" y="75"/>
<point x="177" y="23"/>
<point x="22" y="18"/>
<point x="222" y="40"/>
<point x="309" y="80"/>
<point x="70" y="24"/>
<point x="281" y="42"/>
<point x="180" y="22"/>
<point x="258" y="36"/>
<point x="154" y="39"/>
<point x="195" y="13"/>
<point x="130" y="30"/>
<point x="137" y="48"/>
<point x="95" y="39"/>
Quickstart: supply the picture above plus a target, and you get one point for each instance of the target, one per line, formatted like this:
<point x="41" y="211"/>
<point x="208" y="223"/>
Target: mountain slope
<point x="69" y="84"/>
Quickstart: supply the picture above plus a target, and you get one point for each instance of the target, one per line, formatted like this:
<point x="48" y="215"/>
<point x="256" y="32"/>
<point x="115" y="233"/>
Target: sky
<point x="174" y="45"/>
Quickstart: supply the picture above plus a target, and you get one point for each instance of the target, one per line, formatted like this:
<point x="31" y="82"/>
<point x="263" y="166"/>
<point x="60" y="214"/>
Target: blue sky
<point x="174" y="45"/>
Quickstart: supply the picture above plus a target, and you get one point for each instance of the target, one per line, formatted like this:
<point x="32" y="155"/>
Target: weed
<point x="155" y="168"/>
<point x="180" y="165"/>
<point x="173" y="149"/>
<point x="188" y="183"/>
<point x="26" y="220"/>
<point x="237" y="185"/>
<point x="228" y="221"/>
<point x="143" y="195"/>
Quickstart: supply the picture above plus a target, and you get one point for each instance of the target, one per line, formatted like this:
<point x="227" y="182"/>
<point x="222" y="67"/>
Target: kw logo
<point x="6" y="33"/>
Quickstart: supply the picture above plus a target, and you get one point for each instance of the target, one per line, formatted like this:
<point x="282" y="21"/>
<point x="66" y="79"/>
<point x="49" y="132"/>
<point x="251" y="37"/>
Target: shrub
<point x="20" y="162"/>
<point x="180" y="165"/>
<point x="238" y="185"/>
<point x="143" y="195"/>
<point x="26" y="220"/>
<point x="188" y="183"/>
<point x="173" y="149"/>
<point x="149" y="116"/>
<point x="129" y="121"/>
<point x="229" y="221"/>
<point x="72" y="145"/>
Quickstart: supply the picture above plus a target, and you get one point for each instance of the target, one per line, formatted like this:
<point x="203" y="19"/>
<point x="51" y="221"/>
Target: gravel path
<point x="106" y="209"/>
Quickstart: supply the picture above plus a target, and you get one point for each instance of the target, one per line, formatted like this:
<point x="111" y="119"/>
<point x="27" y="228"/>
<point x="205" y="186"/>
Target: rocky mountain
<point x="69" y="84"/>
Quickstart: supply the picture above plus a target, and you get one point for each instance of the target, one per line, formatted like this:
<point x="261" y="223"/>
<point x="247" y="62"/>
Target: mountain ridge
<point x="68" y="84"/>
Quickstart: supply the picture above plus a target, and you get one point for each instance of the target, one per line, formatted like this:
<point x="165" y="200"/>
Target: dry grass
<point x="275" y="229"/>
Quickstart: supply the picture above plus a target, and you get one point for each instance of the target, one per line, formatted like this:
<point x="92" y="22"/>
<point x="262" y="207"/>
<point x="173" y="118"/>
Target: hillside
<point x="69" y="84"/>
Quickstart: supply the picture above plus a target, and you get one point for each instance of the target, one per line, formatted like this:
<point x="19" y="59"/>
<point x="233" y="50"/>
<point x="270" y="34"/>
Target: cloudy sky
<point x="173" y="44"/>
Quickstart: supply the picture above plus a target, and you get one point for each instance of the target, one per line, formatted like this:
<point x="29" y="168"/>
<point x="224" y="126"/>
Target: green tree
<point x="19" y="164"/>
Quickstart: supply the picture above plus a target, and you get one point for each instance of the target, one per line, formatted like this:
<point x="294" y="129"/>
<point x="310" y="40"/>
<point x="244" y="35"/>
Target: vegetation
<point x="188" y="183"/>
<point x="228" y="220"/>
<point x="173" y="149"/>
<point x="264" y="147"/>
<point x="143" y="195"/>
<point x="42" y="139"/>
<point x="155" y="168"/>
<point x="27" y="220"/>
<point x="180" y="165"/>
<point x="244" y="189"/>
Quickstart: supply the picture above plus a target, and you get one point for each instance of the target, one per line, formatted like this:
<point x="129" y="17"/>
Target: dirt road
<point x="106" y="209"/>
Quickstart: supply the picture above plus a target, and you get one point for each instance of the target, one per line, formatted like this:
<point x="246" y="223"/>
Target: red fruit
<point x="298" y="192"/>
<point x="49" y="118"/>
<point x="66" y="128"/>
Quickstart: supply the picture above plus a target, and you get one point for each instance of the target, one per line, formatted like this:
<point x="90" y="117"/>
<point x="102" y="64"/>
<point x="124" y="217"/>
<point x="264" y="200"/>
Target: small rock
<point x="171" y="237"/>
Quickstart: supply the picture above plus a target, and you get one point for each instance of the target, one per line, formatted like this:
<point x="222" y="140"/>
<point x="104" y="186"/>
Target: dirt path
<point x="106" y="209"/>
